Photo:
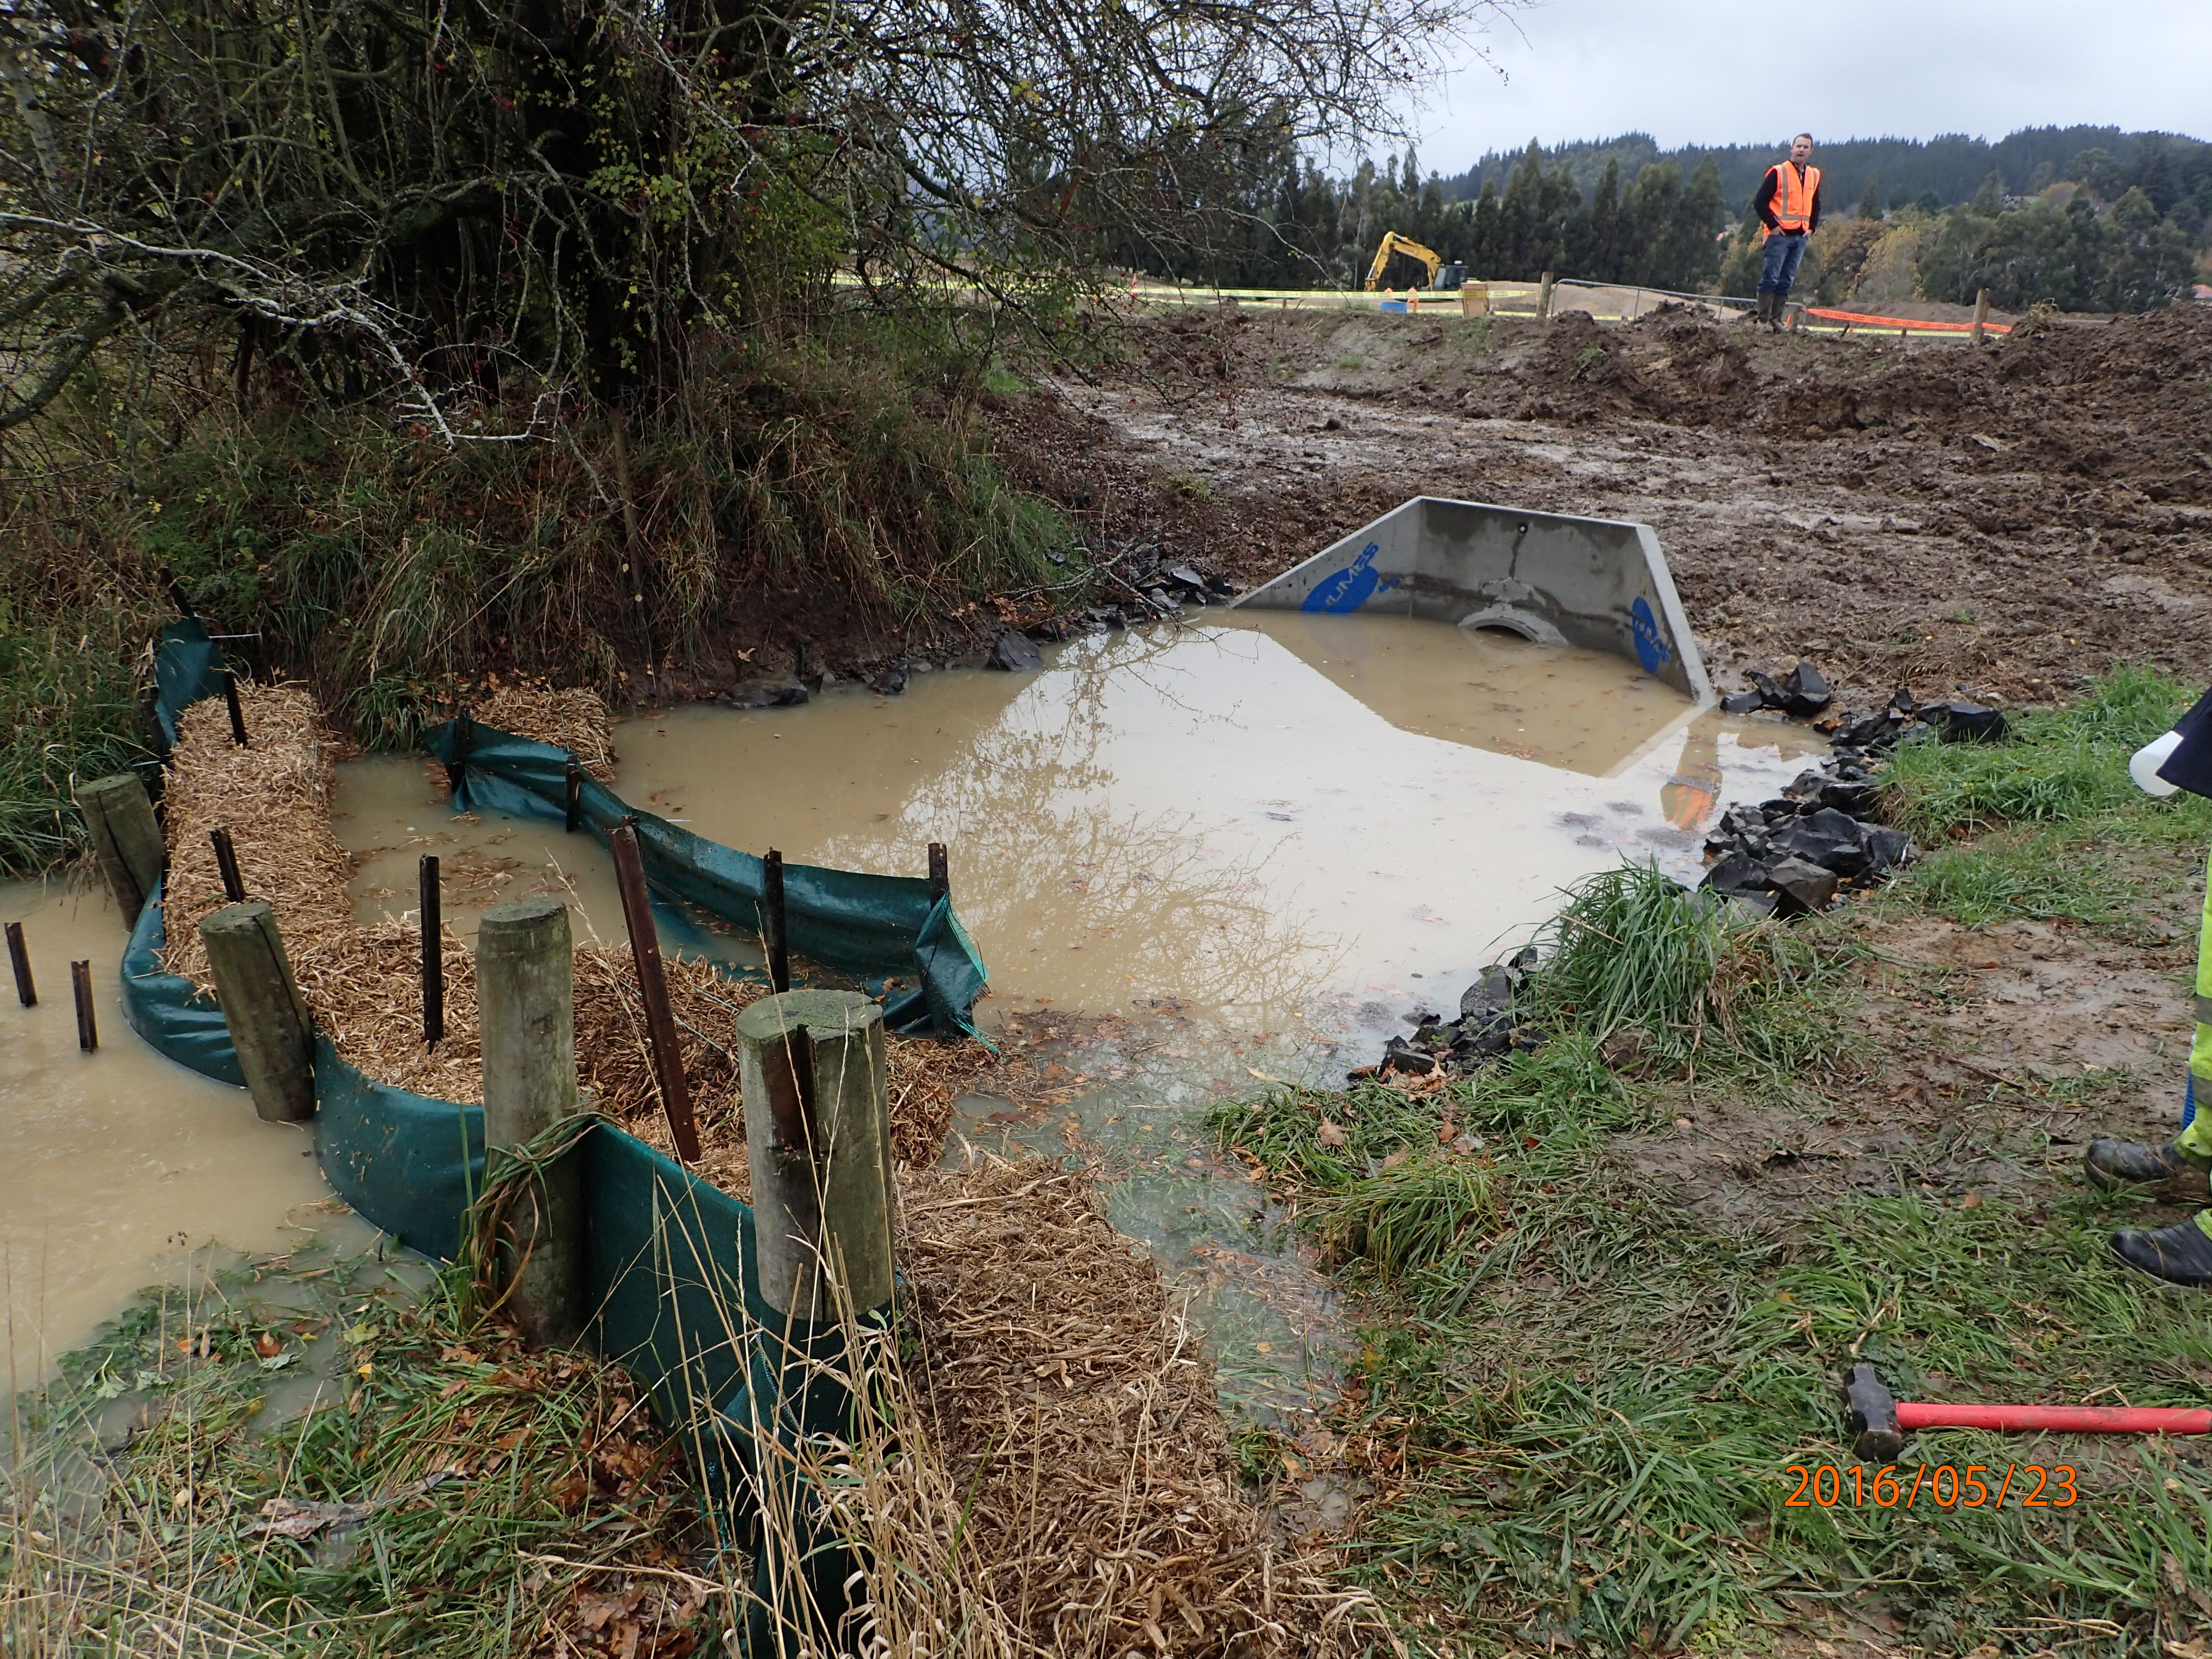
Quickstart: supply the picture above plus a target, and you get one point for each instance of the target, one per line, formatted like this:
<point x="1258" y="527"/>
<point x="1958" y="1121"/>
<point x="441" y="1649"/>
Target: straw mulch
<point x="274" y="797"/>
<point x="363" y="985"/>
<point x="1065" y="1399"/>
<point x="574" y="719"/>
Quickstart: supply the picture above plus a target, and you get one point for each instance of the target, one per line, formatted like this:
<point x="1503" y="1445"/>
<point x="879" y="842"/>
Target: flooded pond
<point x="1254" y="845"/>
<point x="120" y="1165"/>
<point x="1190" y="854"/>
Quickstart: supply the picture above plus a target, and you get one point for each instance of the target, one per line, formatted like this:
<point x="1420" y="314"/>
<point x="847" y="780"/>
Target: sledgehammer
<point x="1877" y="1420"/>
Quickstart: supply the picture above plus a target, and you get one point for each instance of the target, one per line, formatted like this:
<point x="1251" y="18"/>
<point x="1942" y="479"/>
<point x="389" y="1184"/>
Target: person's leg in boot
<point x="2181" y="1254"/>
<point x="1771" y="283"/>
<point x="1785" y="276"/>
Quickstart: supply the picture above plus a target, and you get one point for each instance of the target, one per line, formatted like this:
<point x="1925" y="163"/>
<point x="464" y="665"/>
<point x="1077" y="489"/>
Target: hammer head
<point x="1875" y="1437"/>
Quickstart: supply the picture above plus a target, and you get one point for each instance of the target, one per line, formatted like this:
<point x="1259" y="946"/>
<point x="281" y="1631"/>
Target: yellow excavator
<point x="1394" y="243"/>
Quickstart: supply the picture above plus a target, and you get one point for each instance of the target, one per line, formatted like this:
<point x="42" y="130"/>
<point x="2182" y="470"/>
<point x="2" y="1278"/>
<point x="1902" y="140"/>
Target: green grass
<point x="2049" y="826"/>
<point x="1592" y="1401"/>
<point x="2036" y="876"/>
<point x="129" y="1507"/>
<point x="68" y="710"/>
<point x="1702" y="981"/>
<point x="2062" y="765"/>
<point x="1581" y="1403"/>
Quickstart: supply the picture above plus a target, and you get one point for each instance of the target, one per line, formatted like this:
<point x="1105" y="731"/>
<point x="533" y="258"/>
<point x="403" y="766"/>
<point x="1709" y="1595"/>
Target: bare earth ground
<point x="2014" y="519"/>
<point x="2017" y="518"/>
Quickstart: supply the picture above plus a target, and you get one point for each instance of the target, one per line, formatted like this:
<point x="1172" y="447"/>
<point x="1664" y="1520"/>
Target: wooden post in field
<point x="262" y="1004"/>
<point x="1981" y="315"/>
<point x="817" y="1139"/>
<point x="940" y="872"/>
<point x="87" y="1027"/>
<point x="817" y="1136"/>
<point x="1544" y="299"/>
<point x="118" y="815"/>
<point x="19" y="959"/>
<point x="526" y="1009"/>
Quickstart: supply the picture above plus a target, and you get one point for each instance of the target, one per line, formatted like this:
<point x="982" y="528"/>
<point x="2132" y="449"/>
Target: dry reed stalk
<point x="574" y="719"/>
<point x="1070" y="1403"/>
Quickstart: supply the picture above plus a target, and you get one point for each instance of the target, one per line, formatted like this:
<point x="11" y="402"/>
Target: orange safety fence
<point x="1915" y="323"/>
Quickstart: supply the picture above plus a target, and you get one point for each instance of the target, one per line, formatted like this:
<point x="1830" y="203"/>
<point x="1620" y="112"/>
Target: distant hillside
<point x="1952" y="167"/>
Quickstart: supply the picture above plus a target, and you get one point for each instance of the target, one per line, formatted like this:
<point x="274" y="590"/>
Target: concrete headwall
<point x="1599" y="583"/>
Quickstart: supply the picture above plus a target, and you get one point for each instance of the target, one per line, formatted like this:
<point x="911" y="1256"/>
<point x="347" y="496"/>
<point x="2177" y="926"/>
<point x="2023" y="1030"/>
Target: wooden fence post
<point x="1544" y="299"/>
<point x="261" y="1003"/>
<point x="811" y="1067"/>
<point x="1981" y="315"/>
<point x="87" y="1026"/>
<point x="526" y="1009"/>
<point x="118" y="815"/>
<point x="19" y="959"/>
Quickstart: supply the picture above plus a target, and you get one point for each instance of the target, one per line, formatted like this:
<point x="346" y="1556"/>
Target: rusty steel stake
<point x="87" y="1029"/>
<point x="652" y="988"/>
<point x="434" y="953"/>
<point x="19" y="958"/>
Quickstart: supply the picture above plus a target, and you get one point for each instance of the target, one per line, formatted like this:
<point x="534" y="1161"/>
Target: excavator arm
<point x="1394" y="243"/>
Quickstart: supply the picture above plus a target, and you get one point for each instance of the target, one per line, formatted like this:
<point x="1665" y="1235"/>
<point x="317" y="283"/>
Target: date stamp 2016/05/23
<point x="1939" y="1485"/>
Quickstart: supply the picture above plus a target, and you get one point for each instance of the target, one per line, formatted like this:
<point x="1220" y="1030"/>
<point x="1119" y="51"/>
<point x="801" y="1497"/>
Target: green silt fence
<point x="670" y="1261"/>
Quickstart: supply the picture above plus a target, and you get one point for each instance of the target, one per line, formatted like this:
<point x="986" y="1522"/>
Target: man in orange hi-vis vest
<point x="1788" y="205"/>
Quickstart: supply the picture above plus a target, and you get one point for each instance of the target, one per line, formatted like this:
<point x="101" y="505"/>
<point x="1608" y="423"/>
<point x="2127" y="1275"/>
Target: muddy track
<point x="2014" y="519"/>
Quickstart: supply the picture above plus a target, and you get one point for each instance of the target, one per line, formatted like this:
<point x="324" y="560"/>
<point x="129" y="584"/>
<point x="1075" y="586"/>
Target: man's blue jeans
<point x="1777" y="262"/>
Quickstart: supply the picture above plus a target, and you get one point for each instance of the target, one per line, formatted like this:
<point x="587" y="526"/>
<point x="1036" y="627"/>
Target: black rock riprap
<point x="1494" y="1020"/>
<point x="1791" y="855"/>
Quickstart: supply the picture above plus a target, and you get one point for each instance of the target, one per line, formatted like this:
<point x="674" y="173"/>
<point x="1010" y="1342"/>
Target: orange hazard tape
<point x="1907" y="322"/>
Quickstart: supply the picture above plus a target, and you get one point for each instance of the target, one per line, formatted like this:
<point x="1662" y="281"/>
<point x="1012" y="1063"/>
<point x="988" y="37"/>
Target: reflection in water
<point x="389" y="809"/>
<point x="118" y="1163"/>
<point x="1257" y="844"/>
<point x="1205" y="815"/>
<point x="1584" y="711"/>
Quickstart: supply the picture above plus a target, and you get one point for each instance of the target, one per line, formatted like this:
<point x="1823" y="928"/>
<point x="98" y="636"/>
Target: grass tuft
<point x="69" y="710"/>
<point x="433" y="1477"/>
<point x="2061" y="765"/>
<point x="1697" y="976"/>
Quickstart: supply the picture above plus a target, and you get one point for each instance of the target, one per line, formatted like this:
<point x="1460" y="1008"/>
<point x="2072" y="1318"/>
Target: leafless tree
<point x="455" y="201"/>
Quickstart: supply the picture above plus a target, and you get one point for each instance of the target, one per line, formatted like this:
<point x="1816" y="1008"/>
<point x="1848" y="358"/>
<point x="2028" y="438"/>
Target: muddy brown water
<point x="119" y="1168"/>
<point x="1250" y="844"/>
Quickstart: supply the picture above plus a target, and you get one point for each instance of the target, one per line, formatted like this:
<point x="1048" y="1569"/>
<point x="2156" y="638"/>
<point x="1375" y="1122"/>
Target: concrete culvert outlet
<point x="1601" y="584"/>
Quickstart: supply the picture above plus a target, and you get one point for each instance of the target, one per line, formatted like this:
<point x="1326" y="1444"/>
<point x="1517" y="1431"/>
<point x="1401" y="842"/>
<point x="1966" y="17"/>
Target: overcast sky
<point x="1699" y="71"/>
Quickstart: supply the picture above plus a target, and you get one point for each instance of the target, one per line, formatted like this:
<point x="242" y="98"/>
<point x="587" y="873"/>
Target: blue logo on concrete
<point x="1650" y="650"/>
<point x="1350" y="587"/>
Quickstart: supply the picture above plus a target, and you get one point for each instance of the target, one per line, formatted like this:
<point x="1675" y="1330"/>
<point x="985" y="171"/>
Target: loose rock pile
<point x="1494" y="1020"/>
<point x="1791" y="856"/>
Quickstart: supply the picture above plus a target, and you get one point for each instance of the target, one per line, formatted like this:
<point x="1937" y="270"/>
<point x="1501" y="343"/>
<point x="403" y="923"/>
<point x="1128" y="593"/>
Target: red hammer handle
<point x="2074" y="1419"/>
